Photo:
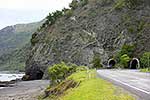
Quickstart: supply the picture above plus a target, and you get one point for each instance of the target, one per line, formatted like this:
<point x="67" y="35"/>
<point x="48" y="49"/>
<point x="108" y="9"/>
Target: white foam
<point x="9" y="77"/>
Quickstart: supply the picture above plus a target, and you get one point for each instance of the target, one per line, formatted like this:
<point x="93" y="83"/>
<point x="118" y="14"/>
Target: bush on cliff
<point x="131" y="4"/>
<point x="97" y="62"/>
<point x="124" y="60"/>
<point x="145" y="60"/>
<point x="124" y="55"/>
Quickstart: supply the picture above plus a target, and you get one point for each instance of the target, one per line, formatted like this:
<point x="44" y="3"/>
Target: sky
<point x="26" y="11"/>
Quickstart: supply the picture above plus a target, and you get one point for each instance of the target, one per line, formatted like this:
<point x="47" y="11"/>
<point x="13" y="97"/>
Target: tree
<point x="127" y="49"/>
<point x="58" y="72"/>
<point x="124" y="60"/>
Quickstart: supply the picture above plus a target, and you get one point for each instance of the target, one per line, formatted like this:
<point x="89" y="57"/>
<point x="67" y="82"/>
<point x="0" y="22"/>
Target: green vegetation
<point x="15" y="60"/>
<point x="97" y="62"/>
<point x="77" y="3"/>
<point x="83" y="2"/>
<point x="68" y="13"/>
<point x="124" y="56"/>
<point x="124" y="60"/>
<point x="127" y="49"/>
<point x="145" y="70"/>
<point x="14" y="42"/>
<point x="84" y="85"/>
<point x="59" y="72"/>
<point x="34" y="39"/>
<point x="131" y="4"/>
<point x="53" y="17"/>
<point x="145" y="60"/>
<point x="74" y="4"/>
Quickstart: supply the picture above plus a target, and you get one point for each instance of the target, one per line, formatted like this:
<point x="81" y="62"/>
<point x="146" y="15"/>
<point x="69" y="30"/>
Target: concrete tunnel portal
<point x="111" y="63"/>
<point x="134" y="63"/>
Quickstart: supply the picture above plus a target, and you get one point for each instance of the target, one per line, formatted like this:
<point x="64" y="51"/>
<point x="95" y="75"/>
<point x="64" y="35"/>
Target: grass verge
<point x="91" y="88"/>
<point x="145" y="70"/>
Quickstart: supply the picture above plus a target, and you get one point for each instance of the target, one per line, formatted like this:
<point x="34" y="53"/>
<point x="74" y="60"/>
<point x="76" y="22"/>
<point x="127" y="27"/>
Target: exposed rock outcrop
<point x="98" y="28"/>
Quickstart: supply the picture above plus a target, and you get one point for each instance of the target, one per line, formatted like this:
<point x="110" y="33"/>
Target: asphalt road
<point x="133" y="81"/>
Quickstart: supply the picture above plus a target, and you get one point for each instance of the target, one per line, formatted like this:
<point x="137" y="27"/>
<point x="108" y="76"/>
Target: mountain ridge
<point x="14" y="44"/>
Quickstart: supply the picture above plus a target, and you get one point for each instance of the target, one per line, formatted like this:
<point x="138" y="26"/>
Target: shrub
<point x="34" y="39"/>
<point x="126" y="49"/>
<point x="126" y="3"/>
<point x="145" y="60"/>
<point x="58" y="72"/>
<point x="124" y="60"/>
<point x="73" y="4"/>
<point x="51" y="18"/>
<point x="83" y="2"/>
<point x="97" y="62"/>
<point x="68" y="13"/>
<point x="57" y="14"/>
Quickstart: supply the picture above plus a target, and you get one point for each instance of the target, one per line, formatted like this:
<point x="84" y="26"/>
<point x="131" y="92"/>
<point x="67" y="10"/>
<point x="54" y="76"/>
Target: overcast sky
<point x="26" y="11"/>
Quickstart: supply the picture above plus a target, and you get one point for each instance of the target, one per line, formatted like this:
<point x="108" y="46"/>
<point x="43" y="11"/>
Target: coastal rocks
<point x="7" y="83"/>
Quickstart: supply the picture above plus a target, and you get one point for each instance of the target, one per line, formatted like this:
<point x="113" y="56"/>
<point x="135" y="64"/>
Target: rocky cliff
<point x="101" y="27"/>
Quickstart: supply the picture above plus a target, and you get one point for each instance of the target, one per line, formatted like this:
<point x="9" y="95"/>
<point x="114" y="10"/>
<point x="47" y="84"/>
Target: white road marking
<point x="144" y="91"/>
<point x="131" y="86"/>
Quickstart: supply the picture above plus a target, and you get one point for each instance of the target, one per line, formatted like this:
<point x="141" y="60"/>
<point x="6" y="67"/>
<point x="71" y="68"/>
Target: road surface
<point x="134" y="81"/>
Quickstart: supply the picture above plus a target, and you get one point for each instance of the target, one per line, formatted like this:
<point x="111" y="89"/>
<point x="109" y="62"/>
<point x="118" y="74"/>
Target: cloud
<point x="34" y="4"/>
<point x="26" y="11"/>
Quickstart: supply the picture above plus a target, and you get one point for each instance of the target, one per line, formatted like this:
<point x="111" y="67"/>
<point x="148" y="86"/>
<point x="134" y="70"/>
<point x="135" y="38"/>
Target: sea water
<point x="6" y="76"/>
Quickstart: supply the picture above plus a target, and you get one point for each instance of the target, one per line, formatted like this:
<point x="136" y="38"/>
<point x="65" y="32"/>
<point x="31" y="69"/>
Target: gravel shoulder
<point x="25" y="90"/>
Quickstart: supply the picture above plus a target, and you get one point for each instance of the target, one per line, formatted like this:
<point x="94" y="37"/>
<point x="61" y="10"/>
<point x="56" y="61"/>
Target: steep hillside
<point x="97" y="28"/>
<point x="15" y="37"/>
<point x="15" y="44"/>
<point x="15" y="60"/>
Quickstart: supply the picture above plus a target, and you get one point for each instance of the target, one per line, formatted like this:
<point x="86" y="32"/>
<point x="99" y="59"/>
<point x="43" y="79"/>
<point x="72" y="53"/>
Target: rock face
<point x="98" y="28"/>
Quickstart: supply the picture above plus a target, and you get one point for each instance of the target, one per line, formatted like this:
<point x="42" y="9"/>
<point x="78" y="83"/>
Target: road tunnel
<point x="134" y="63"/>
<point x="39" y="75"/>
<point x="111" y="63"/>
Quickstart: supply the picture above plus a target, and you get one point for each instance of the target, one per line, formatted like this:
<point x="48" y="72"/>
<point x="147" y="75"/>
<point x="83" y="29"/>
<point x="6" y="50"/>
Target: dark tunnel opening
<point x="111" y="63"/>
<point x="134" y="64"/>
<point x="39" y="75"/>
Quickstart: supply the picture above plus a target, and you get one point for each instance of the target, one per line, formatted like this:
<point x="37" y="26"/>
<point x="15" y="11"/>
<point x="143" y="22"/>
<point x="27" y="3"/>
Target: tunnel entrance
<point x="111" y="63"/>
<point x="39" y="75"/>
<point x="134" y="64"/>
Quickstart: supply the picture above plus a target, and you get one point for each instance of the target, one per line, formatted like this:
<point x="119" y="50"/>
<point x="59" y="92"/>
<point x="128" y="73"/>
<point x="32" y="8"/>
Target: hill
<point x="15" y="37"/>
<point x="90" y="29"/>
<point x="14" y="45"/>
